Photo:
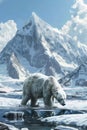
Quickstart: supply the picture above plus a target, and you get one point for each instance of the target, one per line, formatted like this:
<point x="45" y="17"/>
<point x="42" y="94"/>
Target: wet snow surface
<point x="72" y="116"/>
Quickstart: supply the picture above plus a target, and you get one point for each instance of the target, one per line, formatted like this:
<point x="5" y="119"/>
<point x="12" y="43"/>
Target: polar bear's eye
<point x="61" y="99"/>
<point x="56" y="92"/>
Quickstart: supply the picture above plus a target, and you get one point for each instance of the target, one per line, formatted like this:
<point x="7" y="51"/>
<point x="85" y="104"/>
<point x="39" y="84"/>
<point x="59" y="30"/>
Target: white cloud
<point x="76" y="27"/>
<point x="7" y="32"/>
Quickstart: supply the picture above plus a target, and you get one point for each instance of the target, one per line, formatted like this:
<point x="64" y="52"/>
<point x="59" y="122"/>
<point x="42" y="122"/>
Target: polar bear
<point x="41" y="86"/>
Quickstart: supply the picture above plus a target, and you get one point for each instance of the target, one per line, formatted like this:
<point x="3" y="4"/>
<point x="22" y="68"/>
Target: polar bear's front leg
<point x="33" y="102"/>
<point x="25" y="100"/>
<point x="48" y="101"/>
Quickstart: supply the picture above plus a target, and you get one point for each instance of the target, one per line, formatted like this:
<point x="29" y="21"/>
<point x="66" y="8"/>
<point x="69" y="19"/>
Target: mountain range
<point x="38" y="47"/>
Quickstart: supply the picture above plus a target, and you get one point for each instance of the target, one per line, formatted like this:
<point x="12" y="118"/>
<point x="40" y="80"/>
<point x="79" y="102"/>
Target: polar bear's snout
<point x="62" y="102"/>
<point x="60" y="97"/>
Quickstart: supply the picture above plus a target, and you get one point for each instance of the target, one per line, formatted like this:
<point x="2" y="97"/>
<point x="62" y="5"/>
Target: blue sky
<point x="55" y="12"/>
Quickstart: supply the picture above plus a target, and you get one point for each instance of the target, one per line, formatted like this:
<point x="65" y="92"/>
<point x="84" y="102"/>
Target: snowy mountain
<point x="40" y="47"/>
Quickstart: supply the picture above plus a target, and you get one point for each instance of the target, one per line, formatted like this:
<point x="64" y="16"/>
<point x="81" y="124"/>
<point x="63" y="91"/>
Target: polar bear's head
<point x="60" y="97"/>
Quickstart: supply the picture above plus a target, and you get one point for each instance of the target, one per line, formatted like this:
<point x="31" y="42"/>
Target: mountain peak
<point x="34" y="21"/>
<point x="34" y="16"/>
<point x="40" y="48"/>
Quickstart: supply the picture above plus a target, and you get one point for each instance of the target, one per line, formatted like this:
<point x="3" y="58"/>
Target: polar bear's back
<point x="34" y="84"/>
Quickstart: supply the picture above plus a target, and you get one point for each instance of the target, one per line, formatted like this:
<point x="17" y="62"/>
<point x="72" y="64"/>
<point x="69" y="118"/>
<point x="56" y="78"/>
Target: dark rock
<point x="3" y="126"/>
<point x="75" y="76"/>
<point x="14" y="115"/>
<point x="3" y="92"/>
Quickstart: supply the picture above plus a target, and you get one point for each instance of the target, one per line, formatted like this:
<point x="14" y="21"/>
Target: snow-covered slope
<point x="15" y="70"/>
<point x="7" y="32"/>
<point x="42" y="47"/>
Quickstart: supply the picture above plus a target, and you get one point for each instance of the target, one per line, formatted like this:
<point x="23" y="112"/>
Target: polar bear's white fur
<point x="41" y="86"/>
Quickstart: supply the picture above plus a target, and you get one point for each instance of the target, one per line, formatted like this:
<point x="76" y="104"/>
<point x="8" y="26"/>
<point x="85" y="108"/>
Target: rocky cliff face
<point x="77" y="77"/>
